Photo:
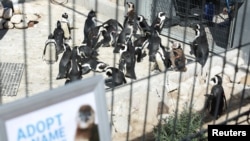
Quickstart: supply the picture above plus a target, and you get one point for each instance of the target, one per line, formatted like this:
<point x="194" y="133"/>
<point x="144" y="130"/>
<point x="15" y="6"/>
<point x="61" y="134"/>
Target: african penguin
<point x="159" y="21"/>
<point x="90" y="23"/>
<point x="127" y="60"/>
<point x="66" y="26"/>
<point x="92" y="64"/>
<point x="131" y="18"/>
<point x="64" y="64"/>
<point x="154" y="42"/>
<point x="58" y="35"/>
<point x="115" y="77"/>
<point x="162" y="59"/>
<point x="94" y="35"/>
<point x="131" y="15"/>
<point x="177" y="57"/>
<point x="50" y="55"/>
<point x="111" y="33"/>
<point x="86" y="128"/>
<point x="87" y="52"/>
<point x="216" y="100"/>
<point x="74" y="72"/>
<point x="143" y="25"/>
<point x="199" y="46"/>
<point x="123" y="38"/>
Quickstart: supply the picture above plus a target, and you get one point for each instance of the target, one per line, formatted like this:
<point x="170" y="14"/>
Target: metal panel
<point x="10" y="78"/>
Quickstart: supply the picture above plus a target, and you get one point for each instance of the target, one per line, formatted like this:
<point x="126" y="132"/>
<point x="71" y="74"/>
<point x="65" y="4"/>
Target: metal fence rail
<point x="137" y="108"/>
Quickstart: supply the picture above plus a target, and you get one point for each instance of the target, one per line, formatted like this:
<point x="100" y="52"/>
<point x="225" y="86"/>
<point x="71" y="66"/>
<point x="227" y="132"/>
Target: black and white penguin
<point x="113" y="28"/>
<point x="216" y="100"/>
<point x="162" y="59"/>
<point x="66" y="26"/>
<point x="123" y="37"/>
<point x="154" y="42"/>
<point x="130" y="17"/>
<point x="58" y="35"/>
<point x="127" y="60"/>
<point x="159" y="21"/>
<point x="141" y="44"/>
<point x="50" y="55"/>
<point x="143" y="25"/>
<point x="92" y="64"/>
<point x="115" y="77"/>
<point x="75" y="72"/>
<point x="87" y="52"/>
<point x="90" y="23"/>
<point x="199" y="46"/>
<point x="64" y="64"/>
<point x="114" y="24"/>
<point x="94" y="35"/>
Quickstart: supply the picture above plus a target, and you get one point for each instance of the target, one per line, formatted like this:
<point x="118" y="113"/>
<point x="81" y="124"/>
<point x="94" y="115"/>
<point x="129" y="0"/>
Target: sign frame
<point x="93" y="85"/>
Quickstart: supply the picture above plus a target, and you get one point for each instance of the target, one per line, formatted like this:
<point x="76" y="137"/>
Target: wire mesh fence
<point x="146" y="104"/>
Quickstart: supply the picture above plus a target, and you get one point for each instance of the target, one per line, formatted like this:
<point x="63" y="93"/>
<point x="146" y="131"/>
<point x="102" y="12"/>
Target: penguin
<point x="159" y="21"/>
<point x="216" y="100"/>
<point x="50" y="55"/>
<point x="143" y="25"/>
<point x="114" y="24"/>
<point x="199" y="46"/>
<point x="87" y="52"/>
<point x="131" y="19"/>
<point x="177" y="57"/>
<point x="92" y="64"/>
<point x="90" y="23"/>
<point x="74" y="72"/>
<point x="58" y="35"/>
<point x="154" y="42"/>
<point x="115" y="77"/>
<point x="108" y="38"/>
<point x="131" y="15"/>
<point x="94" y="35"/>
<point x="64" y="64"/>
<point x="113" y="27"/>
<point x="140" y="45"/>
<point x="162" y="59"/>
<point x="123" y="38"/>
<point x="66" y="26"/>
<point x="127" y="60"/>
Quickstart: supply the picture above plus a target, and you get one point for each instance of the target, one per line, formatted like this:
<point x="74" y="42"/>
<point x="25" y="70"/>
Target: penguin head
<point x="197" y="28"/>
<point x="175" y="45"/>
<point x="108" y="71"/>
<point x="100" y="67"/>
<point x="65" y="15"/>
<point x="51" y="36"/>
<point x="162" y="16"/>
<point x="140" y="18"/>
<point x="216" y="80"/>
<point x="131" y="6"/>
<point x="58" y="24"/>
<point x="91" y="14"/>
<point x="123" y="48"/>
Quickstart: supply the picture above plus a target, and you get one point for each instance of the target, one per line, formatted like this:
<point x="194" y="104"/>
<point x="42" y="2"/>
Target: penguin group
<point x="133" y="40"/>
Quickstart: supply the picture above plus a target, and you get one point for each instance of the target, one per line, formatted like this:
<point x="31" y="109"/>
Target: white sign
<point x="57" y="116"/>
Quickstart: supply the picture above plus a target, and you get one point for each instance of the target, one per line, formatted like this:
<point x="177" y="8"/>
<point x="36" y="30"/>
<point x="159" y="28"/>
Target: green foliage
<point x="165" y="132"/>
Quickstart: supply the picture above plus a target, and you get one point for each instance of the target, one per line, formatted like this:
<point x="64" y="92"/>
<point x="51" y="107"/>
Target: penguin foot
<point x="59" y="76"/>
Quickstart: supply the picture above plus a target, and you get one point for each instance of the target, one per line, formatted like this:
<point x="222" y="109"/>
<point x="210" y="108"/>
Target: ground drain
<point x="10" y="78"/>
